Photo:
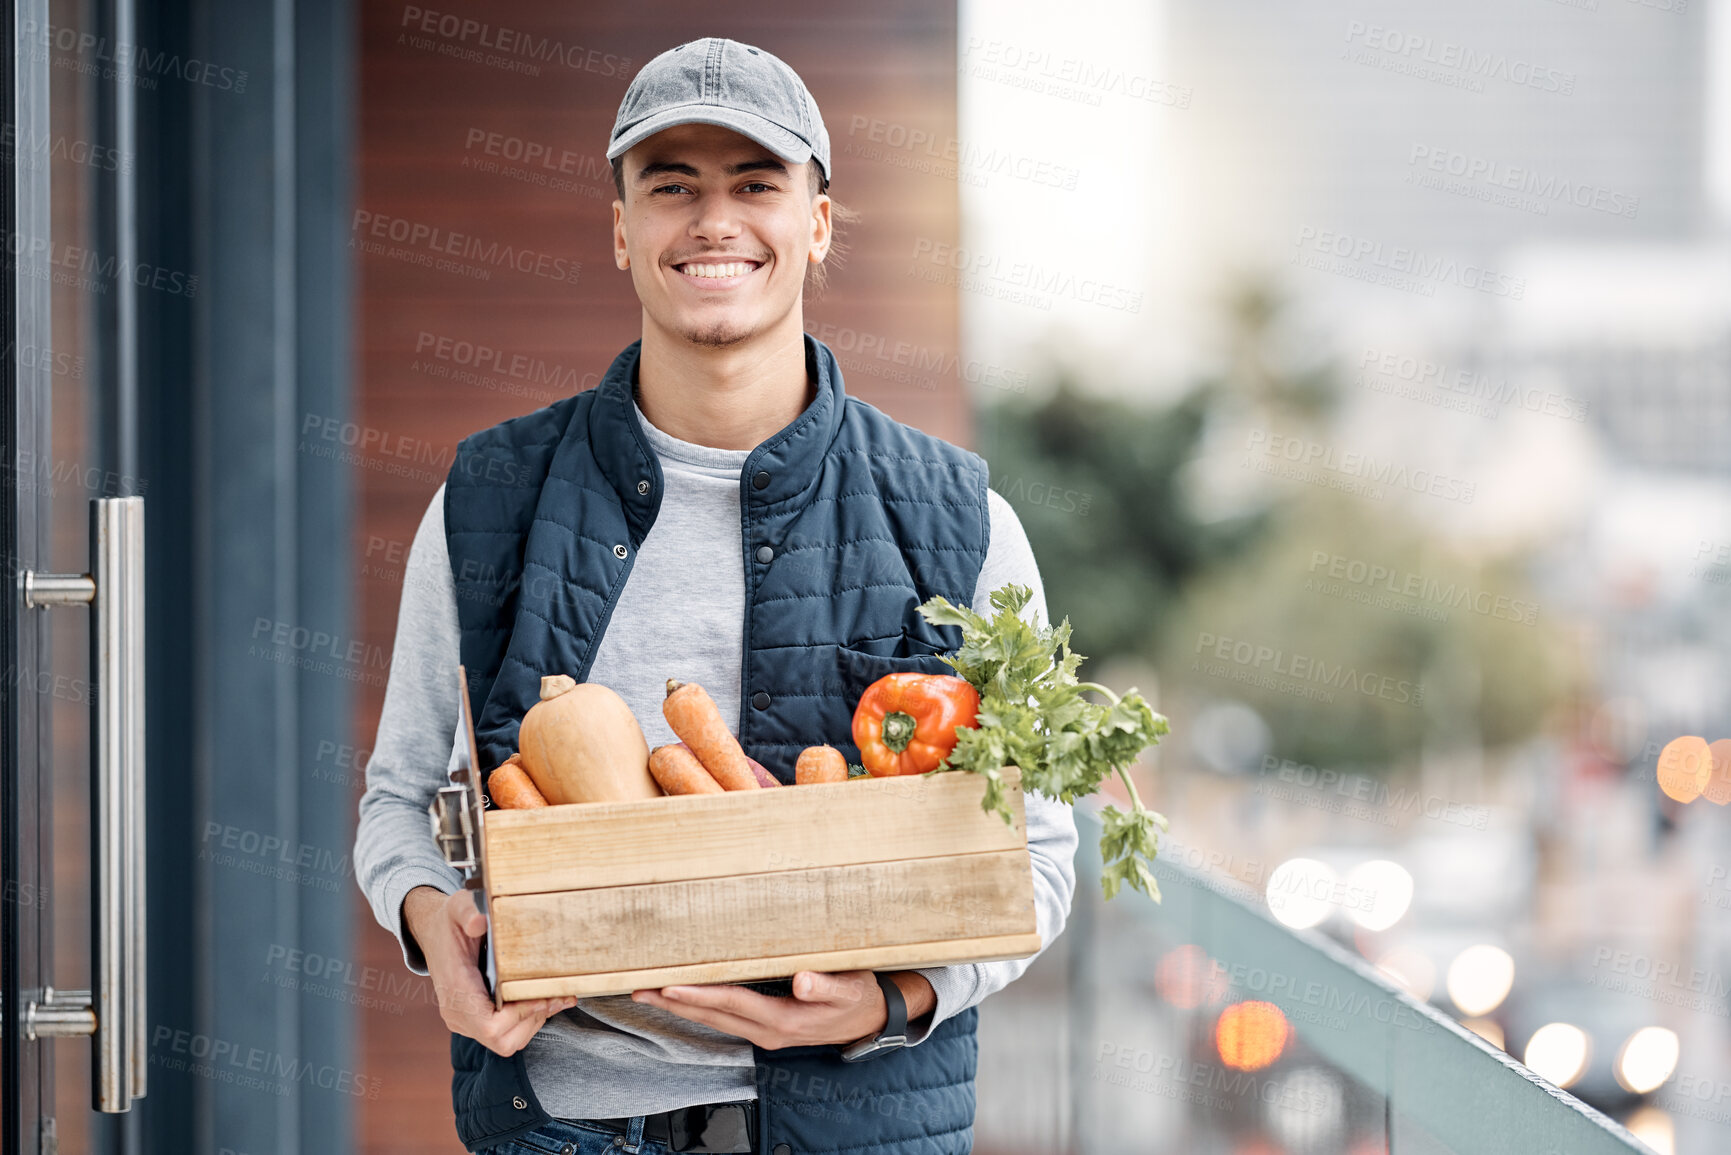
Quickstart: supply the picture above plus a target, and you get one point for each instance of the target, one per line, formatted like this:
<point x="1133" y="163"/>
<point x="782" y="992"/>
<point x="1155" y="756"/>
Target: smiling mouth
<point x="717" y="274"/>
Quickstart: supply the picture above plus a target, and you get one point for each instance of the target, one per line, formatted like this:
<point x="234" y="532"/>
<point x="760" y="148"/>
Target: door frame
<point x="26" y="763"/>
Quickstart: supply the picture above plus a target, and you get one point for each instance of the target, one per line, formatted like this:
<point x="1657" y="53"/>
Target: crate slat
<point x="906" y="956"/>
<point x="819" y="910"/>
<point x="609" y="844"/>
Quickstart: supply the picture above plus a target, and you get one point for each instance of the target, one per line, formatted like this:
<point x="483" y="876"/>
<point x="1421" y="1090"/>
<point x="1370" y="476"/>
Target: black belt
<point x="717" y="1127"/>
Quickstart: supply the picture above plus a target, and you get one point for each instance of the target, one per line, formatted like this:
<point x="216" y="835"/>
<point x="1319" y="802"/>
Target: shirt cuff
<point x="397" y="888"/>
<point x="954" y="987"/>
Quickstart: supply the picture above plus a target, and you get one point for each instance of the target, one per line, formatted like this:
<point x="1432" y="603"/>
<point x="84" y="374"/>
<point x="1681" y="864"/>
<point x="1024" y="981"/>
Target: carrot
<point x="679" y="771"/>
<point x="697" y="720"/>
<point x="512" y="788"/>
<point x="819" y="764"/>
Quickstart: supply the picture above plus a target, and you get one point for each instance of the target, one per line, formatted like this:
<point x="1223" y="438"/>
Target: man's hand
<point x="825" y="1008"/>
<point x="449" y="929"/>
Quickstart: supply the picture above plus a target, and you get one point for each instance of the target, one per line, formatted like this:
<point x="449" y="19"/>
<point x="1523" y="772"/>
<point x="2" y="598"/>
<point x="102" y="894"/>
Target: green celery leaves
<point x="1033" y="715"/>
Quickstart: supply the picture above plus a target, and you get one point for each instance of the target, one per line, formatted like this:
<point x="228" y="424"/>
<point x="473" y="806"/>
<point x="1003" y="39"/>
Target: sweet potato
<point x="762" y="774"/>
<point x="819" y="764"/>
<point x="697" y="720"/>
<point x="678" y="771"/>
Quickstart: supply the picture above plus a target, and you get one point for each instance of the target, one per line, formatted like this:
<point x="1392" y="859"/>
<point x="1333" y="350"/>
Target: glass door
<point x="71" y="705"/>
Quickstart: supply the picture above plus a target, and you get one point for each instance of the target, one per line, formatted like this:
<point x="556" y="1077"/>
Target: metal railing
<point x="1364" y="1061"/>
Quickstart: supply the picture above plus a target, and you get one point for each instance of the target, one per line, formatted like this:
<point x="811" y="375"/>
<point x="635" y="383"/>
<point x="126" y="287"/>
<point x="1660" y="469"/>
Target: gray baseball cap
<point x="719" y="81"/>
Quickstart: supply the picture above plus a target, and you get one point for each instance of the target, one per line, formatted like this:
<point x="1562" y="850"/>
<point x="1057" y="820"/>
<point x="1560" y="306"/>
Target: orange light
<point x="1718" y="787"/>
<point x="1256" y="1145"/>
<point x="1250" y="1035"/>
<point x="1186" y="977"/>
<point x="1685" y="766"/>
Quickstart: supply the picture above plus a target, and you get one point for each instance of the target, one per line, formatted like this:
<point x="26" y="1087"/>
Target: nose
<point x="715" y="217"/>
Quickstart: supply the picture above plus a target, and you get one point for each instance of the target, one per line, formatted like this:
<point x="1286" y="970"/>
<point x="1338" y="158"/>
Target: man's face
<point x="700" y="198"/>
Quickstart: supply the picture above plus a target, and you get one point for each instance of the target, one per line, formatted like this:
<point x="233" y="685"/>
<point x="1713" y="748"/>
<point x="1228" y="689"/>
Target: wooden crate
<point x="609" y="897"/>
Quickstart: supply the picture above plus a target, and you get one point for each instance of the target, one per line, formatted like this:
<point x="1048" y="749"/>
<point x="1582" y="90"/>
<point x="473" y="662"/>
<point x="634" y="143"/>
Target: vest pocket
<point x="859" y="669"/>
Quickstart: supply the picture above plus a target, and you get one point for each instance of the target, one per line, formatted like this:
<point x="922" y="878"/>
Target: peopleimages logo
<point x="1315" y="459"/>
<point x="122" y="59"/>
<point x="964" y="157"/>
<point x="483" y="43"/>
<point x="1498" y="176"/>
<point x="1273" y="662"/>
<point x="1398" y="265"/>
<point x="1443" y="60"/>
<point x="1021" y="282"/>
<point x="1465" y="390"/>
<point x="434" y="246"/>
<point x="1376" y="577"/>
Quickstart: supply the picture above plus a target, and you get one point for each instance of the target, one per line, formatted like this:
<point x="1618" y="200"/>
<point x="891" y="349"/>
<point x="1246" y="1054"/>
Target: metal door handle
<point x="114" y="1010"/>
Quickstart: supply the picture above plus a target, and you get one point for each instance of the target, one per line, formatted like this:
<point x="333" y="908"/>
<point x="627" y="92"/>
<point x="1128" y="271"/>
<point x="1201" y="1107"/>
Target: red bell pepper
<point x="906" y="723"/>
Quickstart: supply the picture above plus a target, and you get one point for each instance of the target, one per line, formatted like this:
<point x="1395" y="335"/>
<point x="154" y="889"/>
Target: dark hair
<point x="817" y="275"/>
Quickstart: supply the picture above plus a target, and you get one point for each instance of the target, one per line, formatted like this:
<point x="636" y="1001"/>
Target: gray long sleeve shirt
<point x="609" y="1057"/>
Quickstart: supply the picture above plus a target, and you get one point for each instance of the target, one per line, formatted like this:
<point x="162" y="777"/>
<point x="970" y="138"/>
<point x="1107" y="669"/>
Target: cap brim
<point x="770" y="135"/>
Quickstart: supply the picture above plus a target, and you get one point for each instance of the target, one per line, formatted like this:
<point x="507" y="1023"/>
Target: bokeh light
<point x="1412" y="969"/>
<point x="1489" y="1030"/>
<point x="1250" y="1035"/>
<point x="1389" y="888"/>
<point x="1187" y="978"/>
<point x="1718" y="787"/>
<point x="1310" y="1112"/>
<point x="1301" y="892"/>
<point x="1654" y="1128"/>
<point x="1479" y="979"/>
<point x="1558" y="1052"/>
<point x="1685" y="765"/>
<point x="1646" y="1059"/>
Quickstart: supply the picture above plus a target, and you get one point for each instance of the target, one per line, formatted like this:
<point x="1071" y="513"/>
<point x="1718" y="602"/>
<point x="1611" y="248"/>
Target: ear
<point x="822" y="229"/>
<point x="621" y="256"/>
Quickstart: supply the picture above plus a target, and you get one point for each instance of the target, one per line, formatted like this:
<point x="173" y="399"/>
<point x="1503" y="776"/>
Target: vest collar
<point x="793" y="458"/>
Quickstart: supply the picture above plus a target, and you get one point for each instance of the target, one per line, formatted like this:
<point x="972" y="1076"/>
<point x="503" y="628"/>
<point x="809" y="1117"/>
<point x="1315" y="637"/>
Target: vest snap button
<point x="761" y="481"/>
<point x="620" y="551"/>
<point x="519" y="1102"/>
<point x="765" y="554"/>
<point x="760" y="700"/>
<point x="642" y="487"/>
<point x="782" y="1149"/>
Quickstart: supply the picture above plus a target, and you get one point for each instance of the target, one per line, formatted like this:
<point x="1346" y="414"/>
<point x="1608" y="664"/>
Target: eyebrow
<point x="661" y="168"/>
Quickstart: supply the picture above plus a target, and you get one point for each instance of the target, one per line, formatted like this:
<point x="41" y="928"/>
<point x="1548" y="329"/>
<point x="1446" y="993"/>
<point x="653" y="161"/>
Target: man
<point x="719" y="510"/>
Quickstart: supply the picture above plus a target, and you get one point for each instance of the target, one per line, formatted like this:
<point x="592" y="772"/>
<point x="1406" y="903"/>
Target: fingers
<point x="843" y="988"/>
<point x="724" y="997"/>
<point x="752" y="1029"/>
<point x="513" y="1037"/>
<point x="465" y="914"/>
<point x="509" y="1029"/>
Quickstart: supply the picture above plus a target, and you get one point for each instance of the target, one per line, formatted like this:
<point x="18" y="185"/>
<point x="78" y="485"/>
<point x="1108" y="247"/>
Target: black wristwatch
<point x="895" y="1032"/>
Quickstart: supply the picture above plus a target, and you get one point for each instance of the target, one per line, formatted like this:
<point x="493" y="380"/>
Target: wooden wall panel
<point x="427" y="101"/>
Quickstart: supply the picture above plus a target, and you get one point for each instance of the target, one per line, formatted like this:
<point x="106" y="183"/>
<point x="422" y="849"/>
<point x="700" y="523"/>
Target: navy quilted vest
<point x="863" y="519"/>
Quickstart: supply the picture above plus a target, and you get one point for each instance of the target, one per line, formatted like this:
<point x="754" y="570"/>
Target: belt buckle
<point x="713" y="1127"/>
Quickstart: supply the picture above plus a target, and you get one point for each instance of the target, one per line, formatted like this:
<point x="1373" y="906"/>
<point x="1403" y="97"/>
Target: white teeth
<point x="737" y="268"/>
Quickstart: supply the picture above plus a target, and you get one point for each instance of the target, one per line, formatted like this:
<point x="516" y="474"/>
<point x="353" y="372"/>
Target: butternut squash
<point x="580" y="743"/>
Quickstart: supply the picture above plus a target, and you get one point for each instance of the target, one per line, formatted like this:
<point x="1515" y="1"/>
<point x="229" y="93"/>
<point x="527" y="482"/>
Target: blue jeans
<point x="558" y="1137"/>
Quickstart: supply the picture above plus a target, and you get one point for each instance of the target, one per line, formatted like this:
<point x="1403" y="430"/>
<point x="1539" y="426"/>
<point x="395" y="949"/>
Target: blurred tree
<point x="1096" y="485"/>
<point x="1369" y="641"/>
<point x="1099" y="483"/>
<point x="1112" y="498"/>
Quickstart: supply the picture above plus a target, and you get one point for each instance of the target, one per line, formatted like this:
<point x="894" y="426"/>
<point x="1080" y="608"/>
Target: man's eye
<point x="760" y="184"/>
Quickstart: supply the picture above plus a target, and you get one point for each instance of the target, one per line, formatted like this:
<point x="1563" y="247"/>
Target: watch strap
<point x="897" y="1023"/>
<point x="895" y="1032"/>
